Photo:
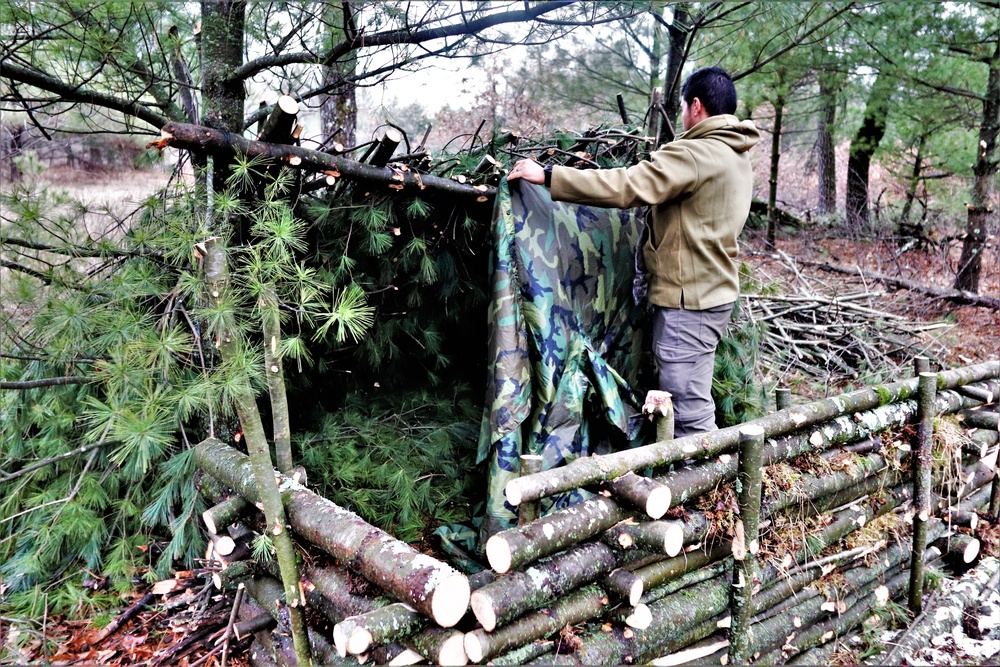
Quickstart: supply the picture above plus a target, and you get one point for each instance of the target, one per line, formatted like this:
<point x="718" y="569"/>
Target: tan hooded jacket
<point x="699" y="187"/>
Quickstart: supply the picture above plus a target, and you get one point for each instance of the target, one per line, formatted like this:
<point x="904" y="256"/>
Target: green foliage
<point x="404" y="468"/>
<point x="738" y="395"/>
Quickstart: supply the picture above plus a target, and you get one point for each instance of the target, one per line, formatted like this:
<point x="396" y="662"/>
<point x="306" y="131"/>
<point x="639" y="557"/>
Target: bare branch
<point x="6" y="477"/>
<point x="395" y="38"/>
<point x="80" y="95"/>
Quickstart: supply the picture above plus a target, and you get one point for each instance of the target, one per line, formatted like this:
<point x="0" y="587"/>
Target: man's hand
<point x="529" y="170"/>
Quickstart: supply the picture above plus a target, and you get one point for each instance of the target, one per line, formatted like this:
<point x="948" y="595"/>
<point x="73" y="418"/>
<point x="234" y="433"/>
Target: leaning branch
<point x="205" y="139"/>
<point x="80" y="95"/>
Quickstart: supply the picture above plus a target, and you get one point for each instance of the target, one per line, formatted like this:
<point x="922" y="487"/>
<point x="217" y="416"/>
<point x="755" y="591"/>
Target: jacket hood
<point x="739" y="135"/>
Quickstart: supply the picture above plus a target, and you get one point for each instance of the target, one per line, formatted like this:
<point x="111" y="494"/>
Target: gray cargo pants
<point x="684" y="343"/>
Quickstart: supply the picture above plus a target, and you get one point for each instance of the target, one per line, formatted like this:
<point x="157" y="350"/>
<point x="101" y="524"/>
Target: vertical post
<point x="745" y="577"/>
<point x="658" y="403"/>
<point x="528" y="512"/>
<point x="921" y="365"/>
<point x="921" y="462"/>
<point x="782" y="398"/>
<point x="995" y="497"/>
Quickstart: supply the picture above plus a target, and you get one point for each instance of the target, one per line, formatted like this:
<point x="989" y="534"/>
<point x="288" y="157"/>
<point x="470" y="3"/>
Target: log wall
<point x="759" y="563"/>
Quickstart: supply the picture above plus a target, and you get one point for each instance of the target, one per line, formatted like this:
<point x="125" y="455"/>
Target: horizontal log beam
<point x="201" y="139"/>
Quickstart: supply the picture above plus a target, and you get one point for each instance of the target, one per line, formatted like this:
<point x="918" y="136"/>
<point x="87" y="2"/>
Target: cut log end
<point x="288" y="104"/>
<point x="209" y="522"/>
<point x="673" y="540"/>
<point x="971" y="551"/>
<point x="498" y="552"/>
<point x="360" y="641"/>
<point x="482" y="609"/>
<point x="407" y="657"/>
<point x="453" y="651"/>
<point x="635" y="592"/>
<point x="340" y="640"/>
<point x="658" y="502"/>
<point x="450" y="599"/>
<point x="513" y="493"/>
<point x="475" y="648"/>
<point x="640" y="618"/>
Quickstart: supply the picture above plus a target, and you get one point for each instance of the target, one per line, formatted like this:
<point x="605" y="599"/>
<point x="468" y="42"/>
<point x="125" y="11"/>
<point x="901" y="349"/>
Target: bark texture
<point x="432" y="587"/>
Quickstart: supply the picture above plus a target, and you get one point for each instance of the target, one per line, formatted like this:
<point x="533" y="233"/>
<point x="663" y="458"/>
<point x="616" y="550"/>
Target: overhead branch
<point x="75" y="251"/>
<point x="395" y="38"/>
<point x="80" y="95"/>
<point x="204" y="139"/>
<point x="794" y="43"/>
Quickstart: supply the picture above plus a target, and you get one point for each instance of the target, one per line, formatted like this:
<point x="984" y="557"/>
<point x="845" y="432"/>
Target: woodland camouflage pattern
<point x="563" y="329"/>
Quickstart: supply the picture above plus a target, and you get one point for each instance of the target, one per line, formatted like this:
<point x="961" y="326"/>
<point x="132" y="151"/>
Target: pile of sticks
<point x="646" y="569"/>
<point x="834" y="330"/>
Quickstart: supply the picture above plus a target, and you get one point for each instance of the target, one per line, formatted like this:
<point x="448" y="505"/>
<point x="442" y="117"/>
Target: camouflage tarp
<point x="565" y="339"/>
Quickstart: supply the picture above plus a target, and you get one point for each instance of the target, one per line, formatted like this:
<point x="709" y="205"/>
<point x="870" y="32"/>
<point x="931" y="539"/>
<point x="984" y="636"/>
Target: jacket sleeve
<point x="670" y="173"/>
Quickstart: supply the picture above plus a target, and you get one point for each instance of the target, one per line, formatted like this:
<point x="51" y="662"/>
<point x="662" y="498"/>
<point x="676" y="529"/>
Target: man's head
<point x="707" y="92"/>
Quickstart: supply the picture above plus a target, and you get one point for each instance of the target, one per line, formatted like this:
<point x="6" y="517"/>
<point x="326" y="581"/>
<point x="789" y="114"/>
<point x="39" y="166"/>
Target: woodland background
<point x="880" y="122"/>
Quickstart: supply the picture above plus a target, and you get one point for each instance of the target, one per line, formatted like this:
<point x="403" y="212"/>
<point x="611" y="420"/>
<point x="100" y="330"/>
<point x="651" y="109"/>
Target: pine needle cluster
<point x="406" y="468"/>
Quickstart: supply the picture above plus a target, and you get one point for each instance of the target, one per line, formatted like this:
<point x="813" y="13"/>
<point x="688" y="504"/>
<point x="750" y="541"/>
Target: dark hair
<point x="714" y="88"/>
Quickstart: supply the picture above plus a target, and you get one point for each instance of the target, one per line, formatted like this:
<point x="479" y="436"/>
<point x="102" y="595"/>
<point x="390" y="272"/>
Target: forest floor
<point x="185" y="627"/>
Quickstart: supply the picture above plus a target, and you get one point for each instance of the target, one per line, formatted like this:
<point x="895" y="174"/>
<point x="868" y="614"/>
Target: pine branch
<point x="6" y="477"/>
<point x="76" y="251"/>
<point x="44" y="382"/>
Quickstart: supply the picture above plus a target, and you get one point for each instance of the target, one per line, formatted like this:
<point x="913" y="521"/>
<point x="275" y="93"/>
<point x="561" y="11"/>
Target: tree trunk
<point x="863" y="147"/>
<point x="222" y="33"/>
<point x="338" y="111"/>
<point x="772" y="183"/>
<point x="976" y="231"/>
<point x="911" y="188"/>
<point x="677" y="34"/>
<point x="432" y="587"/>
<point x="826" y="156"/>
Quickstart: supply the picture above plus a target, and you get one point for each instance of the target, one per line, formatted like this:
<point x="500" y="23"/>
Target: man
<point x="699" y="190"/>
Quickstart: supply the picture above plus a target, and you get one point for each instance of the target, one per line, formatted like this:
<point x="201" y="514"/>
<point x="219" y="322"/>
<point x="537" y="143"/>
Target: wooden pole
<point x="921" y="365"/>
<point x="529" y="511"/>
<point x="782" y="398"/>
<point x="745" y="545"/>
<point x="922" y="463"/>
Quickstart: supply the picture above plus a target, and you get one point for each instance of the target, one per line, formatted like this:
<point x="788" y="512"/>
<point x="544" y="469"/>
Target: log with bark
<point x="357" y="634"/>
<point x="594" y="469"/>
<point x="432" y="587"/>
<point x="943" y="612"/>
<point x="201" y="139"/>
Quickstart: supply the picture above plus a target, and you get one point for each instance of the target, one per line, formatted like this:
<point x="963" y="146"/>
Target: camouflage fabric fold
<point x="565" y="338"/>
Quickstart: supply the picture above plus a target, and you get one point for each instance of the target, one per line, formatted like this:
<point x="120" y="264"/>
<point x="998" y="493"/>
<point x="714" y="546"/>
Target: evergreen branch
<point x="76" y="251"/>
<point x="44" y="382"/>
<point x="79" y="95"/>
<point x="395" y="38"/>
<point x="8" y="476"/>
<point x="25" y="270"/>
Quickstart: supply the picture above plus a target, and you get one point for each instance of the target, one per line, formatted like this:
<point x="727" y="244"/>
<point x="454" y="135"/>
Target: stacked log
<point x="613" y="580"/>
<point x="798" y="600"/>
